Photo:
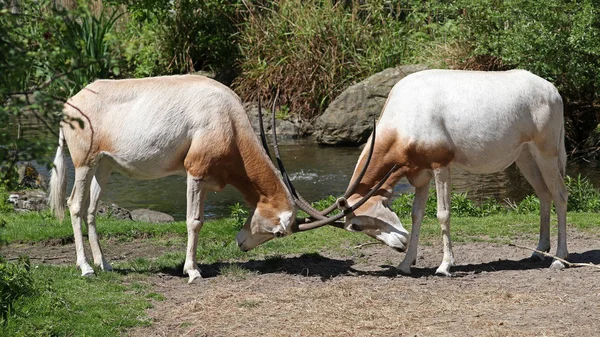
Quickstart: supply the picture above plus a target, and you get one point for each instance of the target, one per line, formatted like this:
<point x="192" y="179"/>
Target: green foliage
<point x="15" y="282"/>
<point x="66" y="303"/>
<point x="324" y="203"/>
<point x="530" y="204"/>
<point x="239" y="214"/>
<point x="89" y="37"/>
<point x="312" y="50"/>
<point x="583" y="197"/>
<point x="5" y="206"/>
<point x="181" y="36"/>
<point x="48" y="53"/>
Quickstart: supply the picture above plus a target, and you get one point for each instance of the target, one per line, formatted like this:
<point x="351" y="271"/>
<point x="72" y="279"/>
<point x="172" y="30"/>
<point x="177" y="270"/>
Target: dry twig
<point x="366" y="244"/>
<point x="570" y="264"/>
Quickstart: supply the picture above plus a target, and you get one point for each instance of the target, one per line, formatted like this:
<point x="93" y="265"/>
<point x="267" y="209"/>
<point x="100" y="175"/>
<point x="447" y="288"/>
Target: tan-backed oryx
<point x="481" y="122"/>
<point x="171" y="125"/>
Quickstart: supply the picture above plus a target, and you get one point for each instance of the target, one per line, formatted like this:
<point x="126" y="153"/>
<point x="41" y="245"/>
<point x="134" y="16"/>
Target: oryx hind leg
<point x="552" y="170"/>
<point x="530" y="170"/>
<point x="99" y="181"/>
<point x="78" y="204"/>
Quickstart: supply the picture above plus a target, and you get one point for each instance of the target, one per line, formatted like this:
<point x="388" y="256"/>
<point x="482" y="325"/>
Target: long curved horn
<point x="319" y="223"/>
<point x="263" y="137"/>
<point x="298" y="199"/>
<point x="350" y="190"/>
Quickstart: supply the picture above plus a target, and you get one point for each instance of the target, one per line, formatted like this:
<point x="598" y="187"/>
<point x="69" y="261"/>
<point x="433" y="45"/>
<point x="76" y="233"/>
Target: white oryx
<point x="172" y="125"/>
<point x="479" y="121"/>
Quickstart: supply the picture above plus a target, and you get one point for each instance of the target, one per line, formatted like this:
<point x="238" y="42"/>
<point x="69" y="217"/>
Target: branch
<point x="43" y="120"/>
<point x="570" y="264"/>
<point x="49" y="81"/>
<point x="367" y="244"/>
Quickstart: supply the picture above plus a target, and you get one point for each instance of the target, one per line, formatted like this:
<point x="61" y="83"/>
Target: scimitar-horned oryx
<point x="479" y="121"/>
<point x="171" y="125"/>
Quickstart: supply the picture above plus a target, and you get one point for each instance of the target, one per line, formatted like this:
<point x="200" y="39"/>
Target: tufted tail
<point x="58" y="180"/>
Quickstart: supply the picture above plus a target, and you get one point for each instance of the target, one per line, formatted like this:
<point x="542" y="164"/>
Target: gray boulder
<point x="147" y="215"/>
<point x="29" y="200"/>
<point x="113" y="211"/>
<point x="348" y="120"/>
<point x="288" y="128"/>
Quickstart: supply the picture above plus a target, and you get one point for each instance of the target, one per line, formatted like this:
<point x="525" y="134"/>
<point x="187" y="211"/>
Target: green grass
<point x="60" y="302"/>
<point x="65" y="304"/>
<point x="502" y="227"/>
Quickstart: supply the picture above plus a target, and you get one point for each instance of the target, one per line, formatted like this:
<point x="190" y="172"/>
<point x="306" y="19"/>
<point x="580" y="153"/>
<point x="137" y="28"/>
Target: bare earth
<point x="496" y="291"/>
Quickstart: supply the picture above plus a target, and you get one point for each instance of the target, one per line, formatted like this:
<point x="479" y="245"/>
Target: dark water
<point x="317" y="172"/>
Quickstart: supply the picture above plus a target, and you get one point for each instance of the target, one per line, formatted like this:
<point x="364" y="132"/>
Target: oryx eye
<point x="355" y="227"/>
<point x="278" y="234"/>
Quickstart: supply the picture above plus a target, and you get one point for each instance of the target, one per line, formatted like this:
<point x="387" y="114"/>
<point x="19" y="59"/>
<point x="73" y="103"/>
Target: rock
<point x="348" y="120"/>
<point x="29" y="177"/>
<point x="113" y="211"/>
<point x="288" y="128"/>
<point x="147" y="215"/>
<point x="29" y="200"/>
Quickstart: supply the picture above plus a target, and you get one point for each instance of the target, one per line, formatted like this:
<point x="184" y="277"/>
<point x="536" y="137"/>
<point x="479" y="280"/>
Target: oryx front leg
<point x="194" y="220"/>
<point x="418" y="211"/>
<point x="442" y="186"/>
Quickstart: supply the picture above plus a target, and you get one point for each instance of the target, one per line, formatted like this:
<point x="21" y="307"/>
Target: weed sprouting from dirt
<point x="235" y="272"/>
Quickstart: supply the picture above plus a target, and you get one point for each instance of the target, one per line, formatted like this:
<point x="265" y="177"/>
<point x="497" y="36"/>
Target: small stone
<point x="147" y="215"/>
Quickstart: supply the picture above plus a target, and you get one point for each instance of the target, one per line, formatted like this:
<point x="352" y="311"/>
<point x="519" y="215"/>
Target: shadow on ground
<point x="326" y="268"/>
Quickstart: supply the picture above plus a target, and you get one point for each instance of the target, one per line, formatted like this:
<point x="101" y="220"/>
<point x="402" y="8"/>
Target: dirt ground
<point x="495" y="291"/>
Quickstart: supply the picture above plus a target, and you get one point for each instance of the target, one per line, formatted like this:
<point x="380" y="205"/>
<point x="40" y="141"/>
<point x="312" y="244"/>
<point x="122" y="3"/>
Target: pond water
<point x="316" y="172"/>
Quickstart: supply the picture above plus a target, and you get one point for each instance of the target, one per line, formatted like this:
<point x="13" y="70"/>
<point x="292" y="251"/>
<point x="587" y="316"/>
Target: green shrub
<point x="5" y="206"/>
<point x="530" y="204"/>
<point x="15" y="282"/>
<point x="312" y="50"/>
<point x="48" y="53"/>
<point x="239" y="214"/>
<point x="181" y="36"/>
<point x="89" y="41"/>
<point x="583" y="196"/>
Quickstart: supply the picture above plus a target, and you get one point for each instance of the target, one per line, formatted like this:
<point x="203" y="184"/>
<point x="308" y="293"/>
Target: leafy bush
<point x="312" y="50"/>
<point x="5" y="206"/>
<point x="583" y="197"/>
<point x="181" y="36"/>
<point x="15" y="282"/>
<point x="529" y="204"/>
<point x="48" y="54"/>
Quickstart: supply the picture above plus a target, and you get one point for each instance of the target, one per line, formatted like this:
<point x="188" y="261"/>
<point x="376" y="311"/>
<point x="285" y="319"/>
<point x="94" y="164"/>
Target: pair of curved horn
<point x="320" y="217"/>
